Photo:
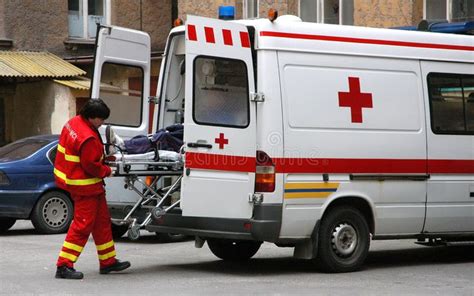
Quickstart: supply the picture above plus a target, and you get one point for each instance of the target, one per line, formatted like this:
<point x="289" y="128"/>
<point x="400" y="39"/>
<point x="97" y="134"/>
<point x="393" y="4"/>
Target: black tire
<point x="6" y="223"/>
<point x="52" y="213"/>
<point x="118" y="230"/>
<point x="233" y="250"/>
<point x="344" y="240"/>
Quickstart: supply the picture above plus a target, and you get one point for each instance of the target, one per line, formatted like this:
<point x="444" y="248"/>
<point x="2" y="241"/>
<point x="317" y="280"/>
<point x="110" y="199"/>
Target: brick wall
<point x="383" y="13"/>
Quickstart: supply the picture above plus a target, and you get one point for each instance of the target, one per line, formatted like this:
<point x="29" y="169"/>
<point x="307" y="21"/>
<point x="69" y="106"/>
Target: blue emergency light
<point x="226" y="12"/>
<point x="442" y="27"/>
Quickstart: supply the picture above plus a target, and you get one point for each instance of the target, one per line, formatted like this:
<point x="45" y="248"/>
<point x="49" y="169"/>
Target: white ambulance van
<point x="313" y="136"/>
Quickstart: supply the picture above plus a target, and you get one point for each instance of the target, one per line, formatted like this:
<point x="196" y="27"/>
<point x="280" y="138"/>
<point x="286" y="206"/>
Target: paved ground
<point x="393" y="268"/>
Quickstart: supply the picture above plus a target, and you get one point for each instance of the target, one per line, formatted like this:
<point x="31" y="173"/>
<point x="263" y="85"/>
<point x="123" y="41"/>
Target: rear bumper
<point x="17" y="203"/>
<point x="264" y="225"/>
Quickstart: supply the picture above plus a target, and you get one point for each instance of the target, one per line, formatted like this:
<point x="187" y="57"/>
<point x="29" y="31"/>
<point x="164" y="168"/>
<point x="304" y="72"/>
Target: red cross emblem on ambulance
<point x="355" y="99"/>
<point x="221" y="141"/>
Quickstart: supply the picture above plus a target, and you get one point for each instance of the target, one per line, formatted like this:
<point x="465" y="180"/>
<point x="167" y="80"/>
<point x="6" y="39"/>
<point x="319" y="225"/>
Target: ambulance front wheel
<point x="233" y="250"/>
<point x="344" y="240"/>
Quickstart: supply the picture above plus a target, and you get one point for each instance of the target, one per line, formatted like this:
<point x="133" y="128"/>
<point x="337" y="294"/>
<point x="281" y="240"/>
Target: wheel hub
<point x="55" y="212"/>
<point x="344" y="240"/>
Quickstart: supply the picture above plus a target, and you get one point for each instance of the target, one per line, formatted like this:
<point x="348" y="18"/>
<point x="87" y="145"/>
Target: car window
<point x="21" y="149"/>
<point x="52" y="154"/>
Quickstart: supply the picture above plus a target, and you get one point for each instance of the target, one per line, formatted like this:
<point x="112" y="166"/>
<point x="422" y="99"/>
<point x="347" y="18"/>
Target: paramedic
<point x="79" y="169"/>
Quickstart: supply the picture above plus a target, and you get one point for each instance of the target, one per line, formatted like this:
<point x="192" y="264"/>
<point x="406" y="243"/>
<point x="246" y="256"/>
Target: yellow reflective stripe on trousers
<point x="73" y="247"/>
<point x="68" y="157"/>
<point x="78" y="182"/>
<point x="107" y="256"/>
<point x="105" y="246"/>
<point x="71" y="257"/>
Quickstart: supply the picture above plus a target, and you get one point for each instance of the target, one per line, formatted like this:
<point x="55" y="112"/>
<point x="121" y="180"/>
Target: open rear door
<point x="219" y="126"/>
<point x="122" y="79"/>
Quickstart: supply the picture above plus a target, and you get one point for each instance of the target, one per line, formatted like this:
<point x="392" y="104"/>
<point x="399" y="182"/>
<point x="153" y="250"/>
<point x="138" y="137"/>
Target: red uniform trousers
<point x="91" y="215"/>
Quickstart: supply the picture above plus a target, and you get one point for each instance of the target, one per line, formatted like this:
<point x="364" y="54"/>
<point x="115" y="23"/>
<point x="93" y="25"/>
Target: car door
<point x="219" y="125"/>
<point x="449" y="88"/>
<point x="122" y="79"/>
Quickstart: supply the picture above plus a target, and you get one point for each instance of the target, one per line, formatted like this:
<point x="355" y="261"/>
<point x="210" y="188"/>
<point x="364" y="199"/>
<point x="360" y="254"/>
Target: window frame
<point x="461" y="77"/>
<point x="85" y="22"/>
<point x="194" y="94"/>
<point x="245" y="9"/>
<point x="449" y="10"/>
<point x="320" y="16"/>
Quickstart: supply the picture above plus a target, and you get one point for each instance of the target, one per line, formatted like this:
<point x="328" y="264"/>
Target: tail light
<point x="149" y="180"/>
<point x="265" y="173"/>
<point x="4" y="181"/>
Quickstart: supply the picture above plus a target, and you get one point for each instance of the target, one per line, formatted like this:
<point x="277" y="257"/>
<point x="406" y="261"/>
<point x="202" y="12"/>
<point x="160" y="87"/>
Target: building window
<point x="327" y="11"/>
<point x="450" y="10"/>
<point x="451" y="103"/>
<point x="84" y="15"/>
<point x="250" y="9"/>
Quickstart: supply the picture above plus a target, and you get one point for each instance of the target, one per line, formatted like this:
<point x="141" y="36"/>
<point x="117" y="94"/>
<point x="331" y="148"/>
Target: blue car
<point x="27" y="188"/>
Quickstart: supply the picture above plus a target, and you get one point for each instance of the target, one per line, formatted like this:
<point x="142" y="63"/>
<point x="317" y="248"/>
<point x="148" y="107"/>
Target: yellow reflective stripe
<point x="79" y="182"/>
<point x="105" y="246"/>
<point x="71" y="257"/>
<point x="107" y="256"/>
<point x="73" y="247"/>
<point x="68" y="157"/>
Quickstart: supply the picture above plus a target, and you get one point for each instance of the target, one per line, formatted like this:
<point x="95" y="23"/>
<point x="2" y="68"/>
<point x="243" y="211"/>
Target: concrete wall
<point x="39" y="25"/>
<point x="383" y="13"/>
<point x="153" y="17"/>
<point x="38" y="108"/>
<point x="2" y="19"/>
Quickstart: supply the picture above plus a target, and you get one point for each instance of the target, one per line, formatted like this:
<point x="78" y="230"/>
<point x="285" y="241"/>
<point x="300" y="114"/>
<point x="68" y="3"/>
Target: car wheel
<point x="6" y="223"/>
<point x="233" y="250"/>
<point x="118" y="230"/>
<point x="344" y="240"/>
<point x="53" y="213"/>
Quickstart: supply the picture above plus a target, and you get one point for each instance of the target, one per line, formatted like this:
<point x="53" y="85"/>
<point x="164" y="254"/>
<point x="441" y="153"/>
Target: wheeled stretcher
<point x="158" y="164"/>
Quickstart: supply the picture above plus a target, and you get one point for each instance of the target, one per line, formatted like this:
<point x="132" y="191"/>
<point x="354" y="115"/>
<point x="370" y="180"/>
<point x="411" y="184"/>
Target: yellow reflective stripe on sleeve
<point x="68" y="157"/>
<point x="71" y="257"/>
<point x="105" y="246"/>
<point x="78" y="182"/>
<point x="73" y="247"/>
<point x="107" y="256"/>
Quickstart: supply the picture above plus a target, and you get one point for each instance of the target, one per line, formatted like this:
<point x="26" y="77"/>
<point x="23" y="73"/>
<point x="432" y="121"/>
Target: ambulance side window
<point x="451" y="103"/>
<point x="221" y="92"/>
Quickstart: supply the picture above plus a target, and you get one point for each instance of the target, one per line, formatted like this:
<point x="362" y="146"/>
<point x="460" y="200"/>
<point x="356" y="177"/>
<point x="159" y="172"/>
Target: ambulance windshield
<point x="221" y="95"/>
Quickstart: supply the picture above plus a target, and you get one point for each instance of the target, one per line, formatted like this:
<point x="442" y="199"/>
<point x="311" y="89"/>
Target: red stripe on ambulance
<point x="209" y="35"/>
<point x="365" y="41"/>
<point x="227" y="36"/>
<point x="331" y="165"/>
<point x="192" y="32"/>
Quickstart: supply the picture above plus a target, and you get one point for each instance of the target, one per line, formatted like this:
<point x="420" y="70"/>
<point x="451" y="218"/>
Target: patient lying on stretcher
<point x="163" y="146"/>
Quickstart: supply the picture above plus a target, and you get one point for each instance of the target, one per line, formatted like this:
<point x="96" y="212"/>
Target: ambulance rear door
<point x="122" y="79"/>
<point x="219" y="125"/>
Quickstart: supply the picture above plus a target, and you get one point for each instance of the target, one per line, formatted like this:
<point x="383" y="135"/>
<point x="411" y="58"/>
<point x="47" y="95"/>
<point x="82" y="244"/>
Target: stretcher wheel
<point x="134" y="232"/>
<point x="157" y="213"/>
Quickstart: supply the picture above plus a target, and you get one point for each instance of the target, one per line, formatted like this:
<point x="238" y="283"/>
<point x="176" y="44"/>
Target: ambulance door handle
<point x="199" y="145"/>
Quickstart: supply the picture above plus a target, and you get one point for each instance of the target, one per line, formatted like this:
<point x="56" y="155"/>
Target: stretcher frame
<point x="131" y="171"/>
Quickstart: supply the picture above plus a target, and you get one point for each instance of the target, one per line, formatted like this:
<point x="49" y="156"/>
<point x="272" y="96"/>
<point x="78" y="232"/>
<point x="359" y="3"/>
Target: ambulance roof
<point x="293" y="35"/>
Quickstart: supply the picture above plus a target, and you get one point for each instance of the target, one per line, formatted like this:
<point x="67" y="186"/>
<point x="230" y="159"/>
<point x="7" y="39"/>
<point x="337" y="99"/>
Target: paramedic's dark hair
<point x="95" y="108"/>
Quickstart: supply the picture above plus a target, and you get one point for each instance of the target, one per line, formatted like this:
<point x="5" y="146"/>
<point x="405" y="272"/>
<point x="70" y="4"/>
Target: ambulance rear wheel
<point x="233" y="250"/>
<point x="344" y="240"/>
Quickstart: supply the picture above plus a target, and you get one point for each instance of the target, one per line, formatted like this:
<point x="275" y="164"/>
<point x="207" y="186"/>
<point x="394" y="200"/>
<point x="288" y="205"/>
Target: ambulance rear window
<point x="451" y="103"/>
<point x="221" y="94"/>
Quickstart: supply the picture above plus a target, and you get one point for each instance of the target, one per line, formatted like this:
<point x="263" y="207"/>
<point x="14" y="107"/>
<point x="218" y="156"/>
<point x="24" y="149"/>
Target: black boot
<point x="64" y="272"/>
<point x="117" y="266"/>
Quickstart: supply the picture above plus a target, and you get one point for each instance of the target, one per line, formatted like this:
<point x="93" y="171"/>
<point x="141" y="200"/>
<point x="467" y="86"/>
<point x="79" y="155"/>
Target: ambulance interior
<point x="172" y="99"/>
